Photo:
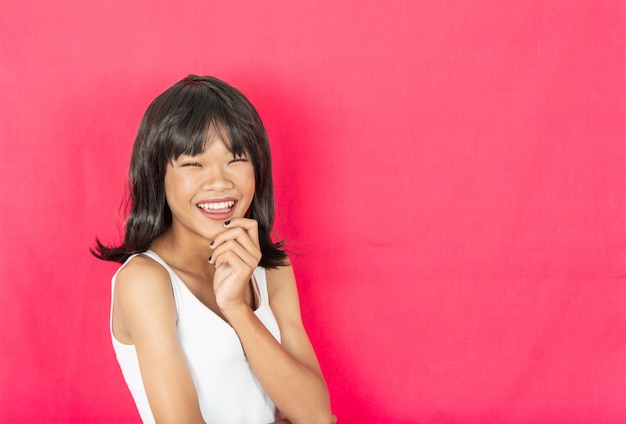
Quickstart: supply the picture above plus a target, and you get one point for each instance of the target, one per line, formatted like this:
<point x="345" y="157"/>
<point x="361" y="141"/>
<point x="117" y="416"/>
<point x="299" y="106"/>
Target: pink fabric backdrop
<point x="452" y="175"/>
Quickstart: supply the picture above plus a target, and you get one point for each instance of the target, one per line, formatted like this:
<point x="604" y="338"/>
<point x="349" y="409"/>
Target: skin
<point x="144" y="312"/>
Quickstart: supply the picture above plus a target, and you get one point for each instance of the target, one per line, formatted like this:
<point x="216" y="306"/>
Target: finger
<point x="238" y="264"/>
<point x="239" y="236"/>
<point x="251" y="226"/>
<point x="250" y="256"/>
<point x="247" y="238"/>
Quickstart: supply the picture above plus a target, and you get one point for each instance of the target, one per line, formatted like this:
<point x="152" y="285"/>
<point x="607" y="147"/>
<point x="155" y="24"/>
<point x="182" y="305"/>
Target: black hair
<point x="178" y="122"/>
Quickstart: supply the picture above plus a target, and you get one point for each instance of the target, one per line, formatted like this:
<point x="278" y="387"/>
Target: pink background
<point x="451" y="173"/>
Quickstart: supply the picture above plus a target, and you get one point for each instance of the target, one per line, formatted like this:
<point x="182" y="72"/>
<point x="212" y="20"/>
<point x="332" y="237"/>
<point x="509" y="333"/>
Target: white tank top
<point x="228" y="391"/>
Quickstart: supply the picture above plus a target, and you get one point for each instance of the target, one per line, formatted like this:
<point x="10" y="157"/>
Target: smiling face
<point x="204" y="190"/>
<point x="195" y="119"/>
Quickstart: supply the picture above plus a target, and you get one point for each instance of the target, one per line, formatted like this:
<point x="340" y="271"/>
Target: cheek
<point x="245" y="180"/>
<point x="175" y="188"/>
<point x="251" y="183"/>
<point x="247" y="186"/>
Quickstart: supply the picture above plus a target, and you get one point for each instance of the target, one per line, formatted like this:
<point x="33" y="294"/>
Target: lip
<point x="218" y="214"/>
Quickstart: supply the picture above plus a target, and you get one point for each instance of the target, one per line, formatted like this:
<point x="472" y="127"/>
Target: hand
<point x="236" y="253"/>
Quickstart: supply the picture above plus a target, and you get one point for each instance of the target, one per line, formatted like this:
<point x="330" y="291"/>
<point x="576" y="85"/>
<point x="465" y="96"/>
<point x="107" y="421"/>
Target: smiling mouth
<point x="217" y="207"/>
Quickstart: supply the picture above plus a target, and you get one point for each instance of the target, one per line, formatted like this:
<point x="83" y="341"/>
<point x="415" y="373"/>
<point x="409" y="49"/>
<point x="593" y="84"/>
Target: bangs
<point x="199" y="119"/>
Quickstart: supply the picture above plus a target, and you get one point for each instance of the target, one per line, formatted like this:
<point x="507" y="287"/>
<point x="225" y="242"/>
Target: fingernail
<point x="210" y="257"/>
<point x="212" y="243"/>
<point x="227" y="222"/>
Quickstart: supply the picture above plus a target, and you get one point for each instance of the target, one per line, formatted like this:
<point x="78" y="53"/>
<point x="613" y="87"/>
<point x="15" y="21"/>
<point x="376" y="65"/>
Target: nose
<point x="215" y="178"/>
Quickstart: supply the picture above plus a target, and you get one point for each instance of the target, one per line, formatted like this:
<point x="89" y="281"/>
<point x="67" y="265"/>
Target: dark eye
<point x="191" y="164"/>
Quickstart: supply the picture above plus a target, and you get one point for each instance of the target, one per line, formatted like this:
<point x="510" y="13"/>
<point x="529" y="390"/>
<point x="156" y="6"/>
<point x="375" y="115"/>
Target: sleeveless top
<point x="228" y="391"/>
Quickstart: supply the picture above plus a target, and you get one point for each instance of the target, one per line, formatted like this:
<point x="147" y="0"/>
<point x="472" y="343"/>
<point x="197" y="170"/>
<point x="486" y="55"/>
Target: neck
<point x="184" y="253"/>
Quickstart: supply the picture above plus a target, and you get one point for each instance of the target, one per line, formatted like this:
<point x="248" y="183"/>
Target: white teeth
<point x="216" y="205"/>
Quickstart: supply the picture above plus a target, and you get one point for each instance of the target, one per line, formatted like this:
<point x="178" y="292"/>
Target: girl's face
<point x="205" y="190"/>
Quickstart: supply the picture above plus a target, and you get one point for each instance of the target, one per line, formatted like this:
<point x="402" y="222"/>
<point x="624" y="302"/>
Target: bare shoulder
<point x="280" y="279"/>
<point x="283" y="295"/>
<point x="142" y="276"/>
<point x="143" y="294"/>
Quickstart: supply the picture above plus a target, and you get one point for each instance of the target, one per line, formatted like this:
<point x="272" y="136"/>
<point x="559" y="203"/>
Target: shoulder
<point x="280" y="279"/>
<point x="143" y="287"/>
<point x="283" y="295"/>
<point x="141" y="273"/>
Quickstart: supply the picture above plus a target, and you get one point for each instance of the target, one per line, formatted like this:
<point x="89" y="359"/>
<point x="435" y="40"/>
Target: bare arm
<point x="145" y="305"/>
<point x="288" y="371"/>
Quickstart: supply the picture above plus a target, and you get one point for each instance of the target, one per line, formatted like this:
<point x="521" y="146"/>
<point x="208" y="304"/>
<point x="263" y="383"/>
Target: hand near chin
<point x="236" y="254"/>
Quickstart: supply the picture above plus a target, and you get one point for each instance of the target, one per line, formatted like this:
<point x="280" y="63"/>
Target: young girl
<point x="205" y="317"/>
